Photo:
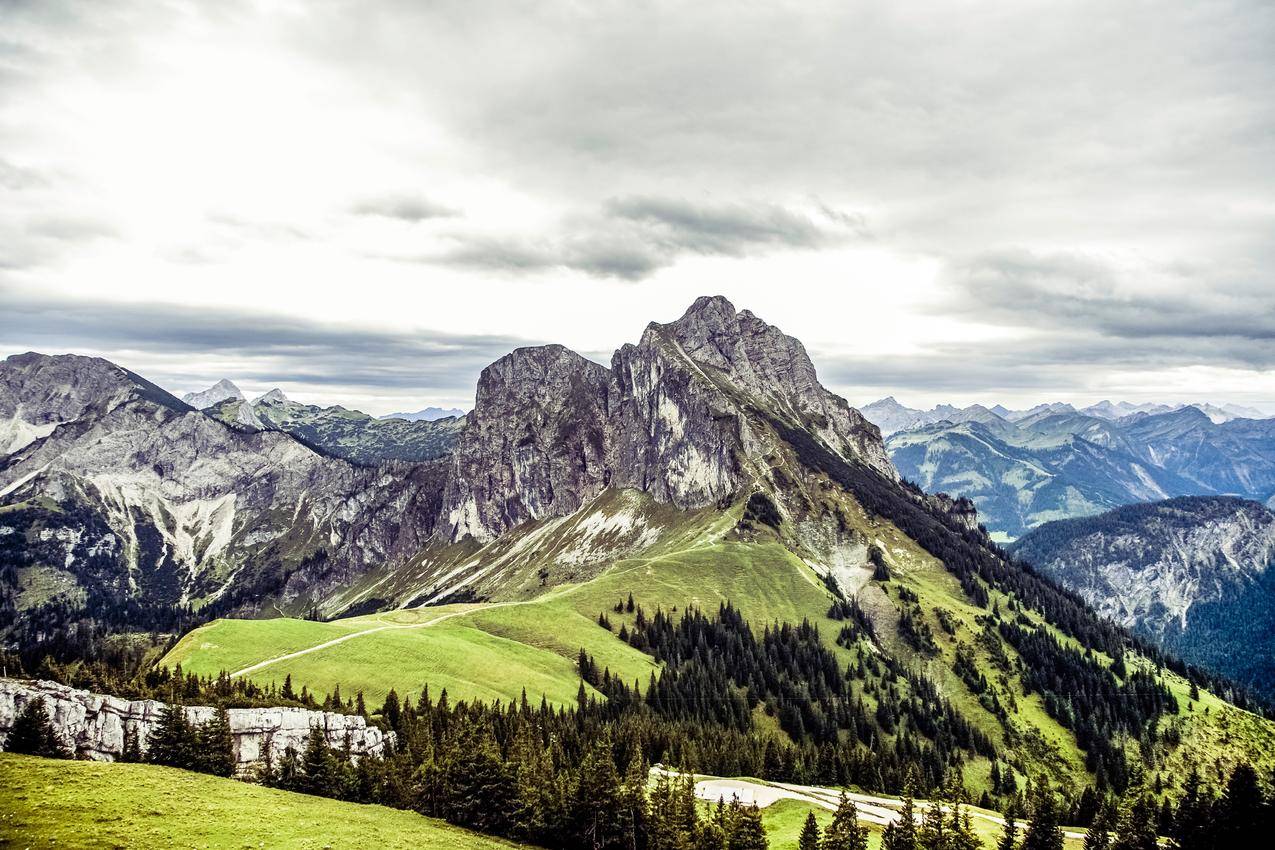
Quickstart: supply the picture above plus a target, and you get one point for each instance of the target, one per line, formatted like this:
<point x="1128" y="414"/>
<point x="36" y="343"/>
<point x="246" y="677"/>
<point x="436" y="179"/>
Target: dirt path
<point x="474" y="609"/>
<point x="343" y="638"/>
<point x="875" y="810"/>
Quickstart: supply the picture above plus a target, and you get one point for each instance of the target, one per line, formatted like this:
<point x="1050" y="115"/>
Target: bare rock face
<point x="536" y="443"/>
<point x="684" y="415"/>
<point x="93" y="725"/>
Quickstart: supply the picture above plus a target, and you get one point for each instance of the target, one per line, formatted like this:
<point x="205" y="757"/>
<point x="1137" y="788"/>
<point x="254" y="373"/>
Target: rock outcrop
<point x="93" y="725"/>
<point x="683" y="416"/>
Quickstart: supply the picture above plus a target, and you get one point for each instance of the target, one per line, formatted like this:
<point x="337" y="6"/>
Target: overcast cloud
<point x="980" y="201"/>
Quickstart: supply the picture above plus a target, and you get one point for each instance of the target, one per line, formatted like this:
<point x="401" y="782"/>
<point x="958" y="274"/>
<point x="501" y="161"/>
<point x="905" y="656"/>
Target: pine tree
<point x="595" y="799"/>
<point x="1099" y="836"/>
<point x="1137" y="830"/>
<point x="809" y="839"/>
<point x="1009" y="833"/>
<point x="1191" y="821"/>
<point x="845" y="832"/>
<point x="901" y="834"/>
<point x="132" y="750"/>
<point x="933" y="834"/>
<point x="173" y="741"/>
<point x="1043" y="833"/>
<point x="216" y="745"/>
<point x="480" y="791"/>
<point x="1243" y="814"/>
<point x="747" y="832"/>
<point x="33" y="735"/>
<point x="317" y="765"/>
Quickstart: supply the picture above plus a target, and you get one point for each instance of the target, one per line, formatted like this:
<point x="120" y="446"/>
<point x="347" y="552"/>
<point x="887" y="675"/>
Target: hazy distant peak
<point x="428" y="414"/>
<point x="217" y="393"/>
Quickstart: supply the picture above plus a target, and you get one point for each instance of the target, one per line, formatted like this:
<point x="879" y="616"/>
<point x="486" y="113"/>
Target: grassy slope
<point x="495" y="650"/>
<point x="88" y="804"/>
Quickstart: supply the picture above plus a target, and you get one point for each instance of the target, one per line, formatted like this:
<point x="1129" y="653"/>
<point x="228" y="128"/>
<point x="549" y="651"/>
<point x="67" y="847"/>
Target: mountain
<point x="217" y="393"/>
<point x="348" y="434"/>
<point x="801" y="614"/>
<point x="890" y="416"/>
<point x="354" y="435"/>
<point x="429" y="414"/>
<point x="132" y="505"/>
<point x="1054" y="464"/>
<point x="1195" y="574"/>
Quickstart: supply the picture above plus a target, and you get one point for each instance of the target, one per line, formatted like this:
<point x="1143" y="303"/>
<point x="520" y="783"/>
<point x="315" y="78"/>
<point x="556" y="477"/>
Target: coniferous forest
<point x="580" y="776"/>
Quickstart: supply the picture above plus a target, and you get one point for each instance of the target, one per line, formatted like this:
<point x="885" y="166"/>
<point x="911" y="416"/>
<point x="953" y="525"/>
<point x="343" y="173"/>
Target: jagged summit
<point x="223" y="390"/>
<point x="681" y="415"/>
<point x="275" y="396"/>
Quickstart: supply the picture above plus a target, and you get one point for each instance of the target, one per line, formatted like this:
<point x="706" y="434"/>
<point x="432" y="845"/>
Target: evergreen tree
<point x="33" y="735"/>
<point x="1009" y="833"/>
<point x="215" y="744"/>
<point x="1099" y="836"/>
<point x="1043" y="833"/>
<point x="480" y="792"/>
<point x="747" y="832"/>
<point x="933" y="834"/>
<point x="902" y="834"/>
<point x="1192" y="821"/>
<point x="595" y="799"/>
<point x="1242" y="813"/>
<point x="132" y="750"/>
<point x="173" y="740"/>
<point x="809" y="839"/>
<point x="318" y="767"/>
<point x="845" y="832"/>
<point x="1137" y="829"/>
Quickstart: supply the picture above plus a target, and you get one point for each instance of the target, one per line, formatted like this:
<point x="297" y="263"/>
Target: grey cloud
<point x="632" y="237"/>
<point x="1083" y="292"/>
<point x="70" y="228"/>
<point x="269" y="348"/>
<point x="1060" y="362"/>
<point x="405" y="208"/>
<point x="16" y="178"/>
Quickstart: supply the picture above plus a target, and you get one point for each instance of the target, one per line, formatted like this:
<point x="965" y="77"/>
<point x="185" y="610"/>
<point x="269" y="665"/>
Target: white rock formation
<point x="93" y="725"/>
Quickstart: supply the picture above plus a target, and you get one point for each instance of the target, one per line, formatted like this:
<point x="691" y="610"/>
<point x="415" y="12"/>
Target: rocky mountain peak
<point x="535" y="374"/>
<point x="275" y="396"/>
<point x="38" y="392"/>
<point x="221" y="391"/>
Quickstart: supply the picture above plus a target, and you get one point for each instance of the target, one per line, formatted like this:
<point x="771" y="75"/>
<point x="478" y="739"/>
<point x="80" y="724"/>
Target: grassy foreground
<point x="48" y="803"/>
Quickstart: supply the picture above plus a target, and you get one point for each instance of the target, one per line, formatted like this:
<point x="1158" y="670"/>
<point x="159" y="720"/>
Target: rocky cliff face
<point x="1196" y="574"/>
<point x="1146" y="566"/>
<point x="93" y="725"/>
<point x="681" y="415"/>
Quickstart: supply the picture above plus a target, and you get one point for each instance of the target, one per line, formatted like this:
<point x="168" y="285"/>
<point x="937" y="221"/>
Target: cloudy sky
<point x="366" y="202"/>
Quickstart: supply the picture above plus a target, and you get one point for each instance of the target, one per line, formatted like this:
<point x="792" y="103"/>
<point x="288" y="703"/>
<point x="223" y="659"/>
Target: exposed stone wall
<point x="93" y="725"/>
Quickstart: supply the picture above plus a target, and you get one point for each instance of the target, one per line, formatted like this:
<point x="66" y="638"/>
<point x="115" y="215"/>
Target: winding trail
<point x="879" y="811"/>
<point x="471" y="609"/>
<point x="388" y="626"/>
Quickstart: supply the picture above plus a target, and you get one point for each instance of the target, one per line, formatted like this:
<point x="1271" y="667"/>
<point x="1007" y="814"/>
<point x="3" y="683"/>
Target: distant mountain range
<point x="1024" y="468"/>
<point x="1193" y="574"/>
<point x="336" y="431"/>
<point x="429" y="414"/>
<point x="891" y="416"/>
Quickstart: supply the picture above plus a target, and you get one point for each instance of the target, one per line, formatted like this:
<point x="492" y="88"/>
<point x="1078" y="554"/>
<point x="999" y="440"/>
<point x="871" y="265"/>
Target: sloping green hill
<point x="919" y="613"/>
<point x="70" y="804"/>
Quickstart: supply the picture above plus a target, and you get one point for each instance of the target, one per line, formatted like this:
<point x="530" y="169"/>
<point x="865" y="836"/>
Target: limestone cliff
<point x="93" y="725"/>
